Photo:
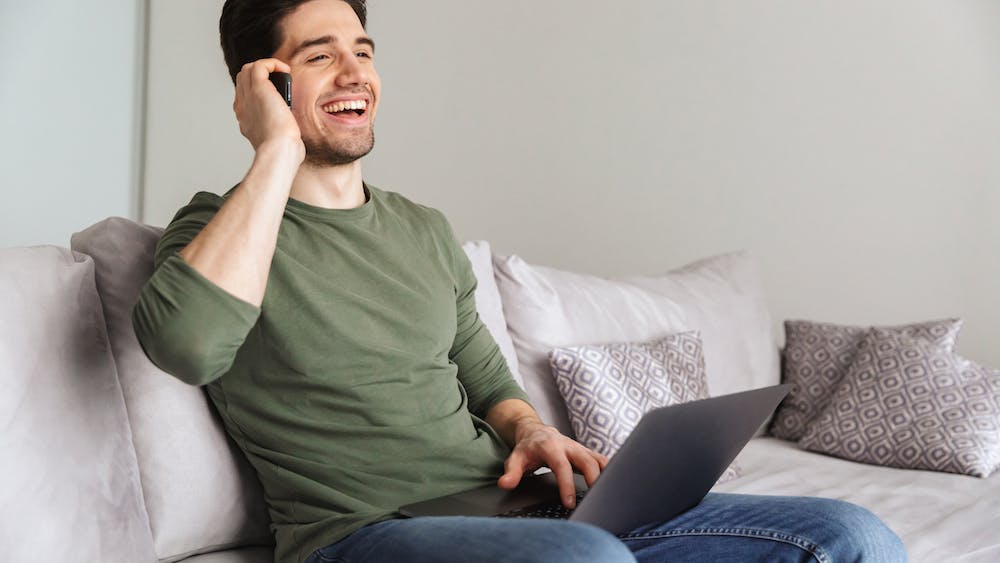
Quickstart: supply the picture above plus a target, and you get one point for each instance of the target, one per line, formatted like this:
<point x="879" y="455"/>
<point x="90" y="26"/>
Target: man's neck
<point x="330" y="187"/>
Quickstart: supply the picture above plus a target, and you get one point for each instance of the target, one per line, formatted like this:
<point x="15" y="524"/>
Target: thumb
<point x="513" y="470"/>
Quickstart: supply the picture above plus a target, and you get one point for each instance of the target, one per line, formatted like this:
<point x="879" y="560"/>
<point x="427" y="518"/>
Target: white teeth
<point x="343" y="106"/>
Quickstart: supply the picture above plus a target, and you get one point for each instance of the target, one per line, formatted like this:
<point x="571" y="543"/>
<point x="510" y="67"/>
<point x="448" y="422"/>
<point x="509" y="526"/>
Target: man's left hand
<point x="536" y="445"/>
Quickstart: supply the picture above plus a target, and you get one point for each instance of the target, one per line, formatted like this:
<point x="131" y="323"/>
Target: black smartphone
<point x="283" y="83"/>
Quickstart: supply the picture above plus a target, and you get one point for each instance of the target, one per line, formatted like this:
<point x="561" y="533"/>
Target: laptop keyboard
<point x="545" y="510"/>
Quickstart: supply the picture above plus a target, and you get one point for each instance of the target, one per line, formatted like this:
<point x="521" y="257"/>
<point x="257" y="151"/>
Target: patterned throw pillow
<point x="816" y="359"/>
<point x="909" y="403"/>
<point x="607" y="388"/>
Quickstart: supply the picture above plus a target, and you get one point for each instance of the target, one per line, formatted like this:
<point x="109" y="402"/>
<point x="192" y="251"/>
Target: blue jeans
<point x="724" y="527"/>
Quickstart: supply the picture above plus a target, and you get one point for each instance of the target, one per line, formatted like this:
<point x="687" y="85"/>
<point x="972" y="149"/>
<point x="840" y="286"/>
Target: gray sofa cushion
<point x="70" y="488"/>
<point x="816" y="358"/>
<point x="909" y="403"/>
<point x="201" y="493"/>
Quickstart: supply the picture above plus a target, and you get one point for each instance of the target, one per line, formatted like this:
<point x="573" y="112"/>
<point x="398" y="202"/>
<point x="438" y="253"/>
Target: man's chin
<point x="323" y="155"/>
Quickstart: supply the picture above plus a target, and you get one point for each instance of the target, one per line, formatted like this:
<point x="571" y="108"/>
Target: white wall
<point x="851" y="145"/>
<point x="69" y="116"/>
<point x="192" y="139"/>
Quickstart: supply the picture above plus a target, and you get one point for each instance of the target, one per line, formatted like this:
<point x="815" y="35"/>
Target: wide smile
<point x="347" y="112"/>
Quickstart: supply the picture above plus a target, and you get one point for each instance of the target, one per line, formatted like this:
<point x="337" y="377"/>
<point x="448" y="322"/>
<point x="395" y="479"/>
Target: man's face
<point x="335" y="90"/>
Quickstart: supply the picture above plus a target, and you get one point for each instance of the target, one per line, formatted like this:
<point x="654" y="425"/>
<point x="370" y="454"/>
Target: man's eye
<point x="364" y="55"/>
<point x="316" y="58"/>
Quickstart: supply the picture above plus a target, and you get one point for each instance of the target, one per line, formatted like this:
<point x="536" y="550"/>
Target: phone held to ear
<point x="283" y="83"/>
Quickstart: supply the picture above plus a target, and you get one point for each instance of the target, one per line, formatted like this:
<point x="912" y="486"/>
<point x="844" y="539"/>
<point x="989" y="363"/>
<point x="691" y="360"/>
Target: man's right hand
<point x="234" y="250"/>
<point x="261" y="111"/>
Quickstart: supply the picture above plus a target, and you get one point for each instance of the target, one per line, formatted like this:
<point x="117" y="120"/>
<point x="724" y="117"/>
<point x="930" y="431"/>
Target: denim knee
<point x="858" y="535"/>
<point x="571" y="542"/>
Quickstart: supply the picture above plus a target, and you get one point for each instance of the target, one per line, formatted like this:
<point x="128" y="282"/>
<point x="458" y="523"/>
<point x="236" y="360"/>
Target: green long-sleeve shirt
<point x="362" y="381"/>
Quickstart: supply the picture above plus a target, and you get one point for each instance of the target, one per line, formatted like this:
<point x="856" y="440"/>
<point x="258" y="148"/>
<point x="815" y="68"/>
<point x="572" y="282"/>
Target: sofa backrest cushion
<point x="720" y="297"/>
<point x="200" y="491"/>
<point x="70" y="489"/>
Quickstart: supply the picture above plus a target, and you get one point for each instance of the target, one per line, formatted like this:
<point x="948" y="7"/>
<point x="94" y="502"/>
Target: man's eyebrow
<point x="329" y="39"/>
<point x="365" y="41"/>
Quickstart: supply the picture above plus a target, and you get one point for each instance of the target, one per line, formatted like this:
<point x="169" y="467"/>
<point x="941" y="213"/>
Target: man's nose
<point x="352" y="72"/>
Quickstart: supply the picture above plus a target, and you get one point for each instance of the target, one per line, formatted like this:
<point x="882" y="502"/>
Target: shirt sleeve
<point x="187" y="325"/>
<point x="482" y="369"/>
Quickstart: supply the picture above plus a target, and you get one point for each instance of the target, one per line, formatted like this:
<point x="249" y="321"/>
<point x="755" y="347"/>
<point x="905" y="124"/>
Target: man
<point x="334" y="325"/>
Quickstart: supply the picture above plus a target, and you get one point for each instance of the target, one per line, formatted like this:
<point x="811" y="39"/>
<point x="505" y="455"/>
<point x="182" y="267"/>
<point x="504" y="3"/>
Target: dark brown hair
<point x="249" y="29"/>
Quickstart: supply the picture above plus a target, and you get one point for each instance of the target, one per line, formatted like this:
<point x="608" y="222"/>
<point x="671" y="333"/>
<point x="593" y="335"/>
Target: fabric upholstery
<point x="941" y="517"/>
<point x="816" y="358"/>
<point x="912" y="404"/>
<point x="200" y="491"/>
<point x="724" y="299"/>
<point x="720" y="297"/>
<point x="607" y="388"/>
<point x="70" y="489"/>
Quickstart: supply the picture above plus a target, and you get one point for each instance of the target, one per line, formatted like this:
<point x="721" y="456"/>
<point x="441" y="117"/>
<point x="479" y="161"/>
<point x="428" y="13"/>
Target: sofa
<point x="108" y="459"/>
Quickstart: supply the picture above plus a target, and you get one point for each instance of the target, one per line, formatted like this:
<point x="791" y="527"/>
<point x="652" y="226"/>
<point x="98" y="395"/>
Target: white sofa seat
<point x="939" y="516"/>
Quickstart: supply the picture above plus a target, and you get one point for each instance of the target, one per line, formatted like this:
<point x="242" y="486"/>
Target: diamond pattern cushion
<point x="607" y="388"/>
<point x="816" y="359"/>
<point x="909" y="403"/>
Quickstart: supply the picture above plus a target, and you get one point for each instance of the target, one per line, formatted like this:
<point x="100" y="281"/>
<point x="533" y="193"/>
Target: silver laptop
<point x="665" y="467"/>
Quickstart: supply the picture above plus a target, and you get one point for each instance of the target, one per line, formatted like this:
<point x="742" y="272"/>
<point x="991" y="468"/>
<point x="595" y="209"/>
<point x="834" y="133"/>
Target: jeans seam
<point x="323" y="558"/>
<point x="814" y="549"/>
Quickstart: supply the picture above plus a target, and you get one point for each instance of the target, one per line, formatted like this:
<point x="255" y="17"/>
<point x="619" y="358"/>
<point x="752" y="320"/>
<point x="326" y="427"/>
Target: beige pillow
<point x="720" y="297"/>
<point x="70" y="486"/>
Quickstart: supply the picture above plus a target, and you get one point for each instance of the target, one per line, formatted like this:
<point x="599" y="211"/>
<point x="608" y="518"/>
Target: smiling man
<point x="334" y="327"/>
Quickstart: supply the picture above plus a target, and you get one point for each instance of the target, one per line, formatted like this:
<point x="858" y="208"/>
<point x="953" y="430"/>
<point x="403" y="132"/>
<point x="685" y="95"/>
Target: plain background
<point x="852" y="146"/>
<point x="70" y="116"/>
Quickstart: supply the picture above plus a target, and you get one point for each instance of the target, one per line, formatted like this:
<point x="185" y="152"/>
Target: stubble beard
<point x="323" y="153"/>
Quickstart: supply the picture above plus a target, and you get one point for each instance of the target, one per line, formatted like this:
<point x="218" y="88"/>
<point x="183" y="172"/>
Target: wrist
<point x="272" y="172"/>
<point x="282" y="151"/>
<point x="527" y="425"/>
